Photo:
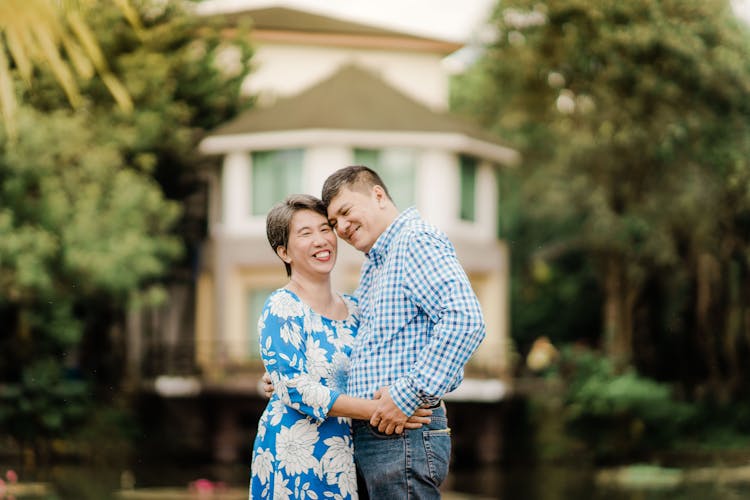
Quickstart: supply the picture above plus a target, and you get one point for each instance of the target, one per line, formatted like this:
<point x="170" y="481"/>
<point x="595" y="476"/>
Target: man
<point x="420" y="323"/>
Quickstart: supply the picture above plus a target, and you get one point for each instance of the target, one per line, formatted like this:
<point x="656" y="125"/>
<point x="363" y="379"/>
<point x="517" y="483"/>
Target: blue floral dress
<point x="299" y="452"/>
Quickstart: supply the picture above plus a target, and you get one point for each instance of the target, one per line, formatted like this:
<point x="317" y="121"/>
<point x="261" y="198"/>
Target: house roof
<point x="353" y="99"/>
<point x="283" y="24"/>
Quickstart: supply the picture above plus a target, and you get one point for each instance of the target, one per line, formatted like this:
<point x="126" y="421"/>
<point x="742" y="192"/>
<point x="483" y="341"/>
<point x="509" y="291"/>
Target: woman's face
<point x="312" y="244"/>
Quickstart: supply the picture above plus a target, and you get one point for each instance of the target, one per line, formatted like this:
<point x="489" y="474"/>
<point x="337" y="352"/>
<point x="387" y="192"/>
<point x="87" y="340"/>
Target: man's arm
<point x="436" y="282"/>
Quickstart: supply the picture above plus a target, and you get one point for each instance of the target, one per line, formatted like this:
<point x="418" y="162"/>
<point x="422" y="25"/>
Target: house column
<point x="437" y="187"/>
<point x="235" y="185"/>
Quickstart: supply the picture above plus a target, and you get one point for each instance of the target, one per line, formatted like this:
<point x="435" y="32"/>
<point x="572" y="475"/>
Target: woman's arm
<point x="362" y="409"/>
<point x="347" y="406"/>
<point x="284" y="352"/>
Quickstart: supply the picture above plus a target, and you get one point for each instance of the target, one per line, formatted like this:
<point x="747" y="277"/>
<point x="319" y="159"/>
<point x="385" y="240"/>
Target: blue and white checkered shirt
<point x="420" y="321"/>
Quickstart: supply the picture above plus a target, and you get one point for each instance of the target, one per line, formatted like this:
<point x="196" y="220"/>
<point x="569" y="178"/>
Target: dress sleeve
<point x="285" y="348"/>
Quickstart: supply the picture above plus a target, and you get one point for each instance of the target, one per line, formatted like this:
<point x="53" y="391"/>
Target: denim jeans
<point x="410" y="466"/>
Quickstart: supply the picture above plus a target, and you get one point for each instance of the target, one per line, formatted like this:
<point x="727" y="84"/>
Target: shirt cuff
<point x="405" y="396"/>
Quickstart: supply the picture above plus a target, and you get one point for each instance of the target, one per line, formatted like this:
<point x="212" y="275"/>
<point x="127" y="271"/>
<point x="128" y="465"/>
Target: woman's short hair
<point x="279" y="219"/>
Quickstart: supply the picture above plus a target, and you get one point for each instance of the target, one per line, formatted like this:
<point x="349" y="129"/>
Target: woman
<point x="303" y="448"/>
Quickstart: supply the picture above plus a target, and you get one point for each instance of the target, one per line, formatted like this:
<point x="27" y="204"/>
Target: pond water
<point x="496" y="482"/>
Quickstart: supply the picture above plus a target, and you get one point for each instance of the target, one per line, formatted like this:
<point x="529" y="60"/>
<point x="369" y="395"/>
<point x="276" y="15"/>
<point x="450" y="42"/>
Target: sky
<point x="454" y="20"/>
<point x="742" y="8"/>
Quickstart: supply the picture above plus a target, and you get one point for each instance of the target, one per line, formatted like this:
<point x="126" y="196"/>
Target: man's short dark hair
<point x="279" y="219"/>
<point x="355" y="177"/>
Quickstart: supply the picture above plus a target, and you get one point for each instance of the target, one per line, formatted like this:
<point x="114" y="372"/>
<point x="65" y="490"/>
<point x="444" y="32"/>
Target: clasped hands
<point x="387" y="417"/>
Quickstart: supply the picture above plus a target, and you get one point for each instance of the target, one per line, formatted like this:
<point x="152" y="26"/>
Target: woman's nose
<point x="319" y="238"/>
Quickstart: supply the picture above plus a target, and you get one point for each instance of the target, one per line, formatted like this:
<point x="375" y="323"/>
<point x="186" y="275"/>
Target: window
<point x="468" y="188"/>
<point x="256" y="298"/>
<point x="276" y="174"/>
<point x="397" y="168"/>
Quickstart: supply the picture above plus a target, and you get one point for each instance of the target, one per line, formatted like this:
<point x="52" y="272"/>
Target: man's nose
<point x="342" y="227"/>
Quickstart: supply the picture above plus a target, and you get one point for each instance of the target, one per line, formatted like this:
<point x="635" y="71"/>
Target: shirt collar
<point x="380" y="248"/>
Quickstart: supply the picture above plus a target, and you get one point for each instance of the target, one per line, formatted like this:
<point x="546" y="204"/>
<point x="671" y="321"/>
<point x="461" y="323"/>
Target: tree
<point x="634" y="120"/>
<point x="91" y="203"/>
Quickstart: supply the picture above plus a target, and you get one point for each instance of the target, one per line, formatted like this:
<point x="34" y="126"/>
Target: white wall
<point x="486" y="202"/>
<point x="322" y="161"/>
<point x="437" y="196"/>
<point x="235" y="183"/>
<point x="237" y="221"/>
<point x="437" y="187"/>
<point x="284" y="70"/>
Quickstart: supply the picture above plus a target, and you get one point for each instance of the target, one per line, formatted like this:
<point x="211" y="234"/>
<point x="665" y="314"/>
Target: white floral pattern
<point x="317" y="361"/>
<point x="281" y="489"/>
<point x="315" y="395"/>
<point x="262" y="464"/>
<point x="285" y="306"/>
<point x="294" y="447"/>
<point x="299" y="452"/>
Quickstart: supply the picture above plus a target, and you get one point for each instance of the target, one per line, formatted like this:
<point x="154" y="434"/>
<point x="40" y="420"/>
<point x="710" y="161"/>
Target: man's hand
<point x="420" y="417"/>
<point x="387" y="417"/>
<point x="265" y="386"/>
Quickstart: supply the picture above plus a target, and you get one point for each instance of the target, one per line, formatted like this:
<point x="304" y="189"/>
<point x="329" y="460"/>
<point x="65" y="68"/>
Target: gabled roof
<point x="353" y="99"/>
<point x="287" y="19"/>
<point x="291" y="25"/>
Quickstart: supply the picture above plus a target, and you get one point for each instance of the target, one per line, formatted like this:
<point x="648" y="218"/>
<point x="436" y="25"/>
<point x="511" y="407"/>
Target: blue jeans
<point x="411" y="465"/>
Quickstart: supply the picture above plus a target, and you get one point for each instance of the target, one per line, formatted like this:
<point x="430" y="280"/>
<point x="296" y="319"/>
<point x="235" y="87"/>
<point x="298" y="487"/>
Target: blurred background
<point x="589" y="160"/>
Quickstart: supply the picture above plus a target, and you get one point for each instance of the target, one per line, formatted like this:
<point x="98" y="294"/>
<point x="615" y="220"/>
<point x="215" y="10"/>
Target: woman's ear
<point x="281" y="252"/>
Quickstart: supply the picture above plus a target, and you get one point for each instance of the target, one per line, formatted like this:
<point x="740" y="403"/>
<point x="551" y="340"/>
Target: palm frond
<point x="54" y="34"/>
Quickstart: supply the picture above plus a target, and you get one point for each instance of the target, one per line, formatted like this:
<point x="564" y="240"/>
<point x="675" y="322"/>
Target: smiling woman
<point x="53" y="34"/>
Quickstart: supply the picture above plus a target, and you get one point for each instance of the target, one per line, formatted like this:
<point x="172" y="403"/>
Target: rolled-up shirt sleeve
<point x="435" y="281"/>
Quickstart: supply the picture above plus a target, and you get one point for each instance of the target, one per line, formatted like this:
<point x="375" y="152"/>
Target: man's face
<point x="357" y="216"/>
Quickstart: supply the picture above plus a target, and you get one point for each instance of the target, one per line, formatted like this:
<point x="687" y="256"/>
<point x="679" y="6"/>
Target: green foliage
<point x="43" y="405"/>
<point x="622" y="415"/>
<point x="717" y="427"/>
<point x="72" y="219"/>
<point x="554" y="290"/>
<point x="634" y="125"/>
<point x="628" y="94"/>
<point x="107" y="437"/>
<point x="94" y="202"/>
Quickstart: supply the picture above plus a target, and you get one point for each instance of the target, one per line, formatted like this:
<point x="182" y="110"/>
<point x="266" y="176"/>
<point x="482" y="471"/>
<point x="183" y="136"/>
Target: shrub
<point x="619" y="415"/>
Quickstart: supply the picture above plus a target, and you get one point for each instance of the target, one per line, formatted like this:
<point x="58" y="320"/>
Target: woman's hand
<point x="265" y="386"/>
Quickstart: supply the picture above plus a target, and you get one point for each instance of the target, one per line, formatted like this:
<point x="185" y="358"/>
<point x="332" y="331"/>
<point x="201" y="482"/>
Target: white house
<point x="333" y="93"/>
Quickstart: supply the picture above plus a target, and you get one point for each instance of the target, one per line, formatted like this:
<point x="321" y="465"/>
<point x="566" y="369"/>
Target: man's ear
<point x="281" y="252"/>
<point x="379" y="193"/>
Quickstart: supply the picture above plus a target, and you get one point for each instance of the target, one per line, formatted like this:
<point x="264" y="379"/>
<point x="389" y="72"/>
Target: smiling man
<point x="420" y="323"/>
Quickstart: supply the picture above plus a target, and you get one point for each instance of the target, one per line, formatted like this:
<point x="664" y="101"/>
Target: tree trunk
<point x="730" y="308"/>
<point x="618" y="313"/>
<point x="706" y="271"/>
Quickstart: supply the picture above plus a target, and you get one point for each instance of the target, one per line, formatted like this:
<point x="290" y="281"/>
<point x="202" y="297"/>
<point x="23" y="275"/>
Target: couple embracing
<point x="359" y="379"/>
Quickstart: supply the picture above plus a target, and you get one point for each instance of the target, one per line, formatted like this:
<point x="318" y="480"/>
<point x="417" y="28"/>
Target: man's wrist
<point x="404" y="397"/>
